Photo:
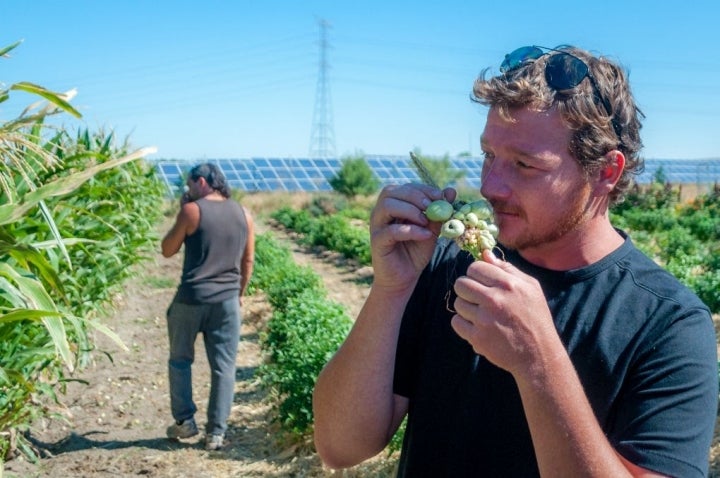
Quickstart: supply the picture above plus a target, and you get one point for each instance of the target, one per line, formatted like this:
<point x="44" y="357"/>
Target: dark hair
<point x="213" y="175"/>
<point x="594" y="134"/>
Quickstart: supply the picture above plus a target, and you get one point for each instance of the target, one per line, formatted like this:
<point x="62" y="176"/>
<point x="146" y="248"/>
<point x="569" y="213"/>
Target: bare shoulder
<point x="248" y="214"/>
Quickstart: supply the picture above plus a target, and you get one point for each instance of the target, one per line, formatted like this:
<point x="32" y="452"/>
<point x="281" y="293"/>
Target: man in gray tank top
<point x="219" y="240"/>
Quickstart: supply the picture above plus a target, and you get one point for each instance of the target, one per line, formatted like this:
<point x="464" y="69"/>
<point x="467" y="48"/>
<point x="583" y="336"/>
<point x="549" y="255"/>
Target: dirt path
<point x="116" y="424"/>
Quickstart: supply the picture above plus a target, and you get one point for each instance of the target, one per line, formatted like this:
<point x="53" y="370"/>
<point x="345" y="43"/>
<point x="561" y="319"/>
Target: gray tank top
<point x="211" y="268"/>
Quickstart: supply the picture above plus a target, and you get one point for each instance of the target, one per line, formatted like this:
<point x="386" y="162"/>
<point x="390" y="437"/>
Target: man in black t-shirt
<point x="575" y="355"/>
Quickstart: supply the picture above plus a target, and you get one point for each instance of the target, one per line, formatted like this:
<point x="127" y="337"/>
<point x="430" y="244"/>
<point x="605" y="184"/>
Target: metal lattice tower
<point x="322" y="136"/>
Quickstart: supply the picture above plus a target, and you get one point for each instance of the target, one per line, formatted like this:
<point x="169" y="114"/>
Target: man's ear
<point x="609" y="174"/>
<point x="202" y="183"/>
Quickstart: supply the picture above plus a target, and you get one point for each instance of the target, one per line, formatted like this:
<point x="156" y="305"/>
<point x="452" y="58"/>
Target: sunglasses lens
<point x="517" y="57"/>
<point x="564" y="71"/>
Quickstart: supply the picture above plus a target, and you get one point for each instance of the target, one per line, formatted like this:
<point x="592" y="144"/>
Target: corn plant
<point x="41" y="334"/>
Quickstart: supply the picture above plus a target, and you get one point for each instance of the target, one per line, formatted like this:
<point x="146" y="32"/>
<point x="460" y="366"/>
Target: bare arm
<point x="502" y="313"/>
<point x="186" y="223"/>
<point x="356" y="411"/>
<point x="247" y="261"/>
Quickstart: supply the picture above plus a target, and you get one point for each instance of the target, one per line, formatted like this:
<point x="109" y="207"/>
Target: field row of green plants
<point x="77" y="211"/>
<point x="344" y="231"/>
<point x="305" y="329"/>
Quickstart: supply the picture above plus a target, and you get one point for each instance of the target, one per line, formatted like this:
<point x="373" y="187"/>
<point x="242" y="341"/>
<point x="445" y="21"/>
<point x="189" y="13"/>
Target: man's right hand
<point x="402" y="239"/>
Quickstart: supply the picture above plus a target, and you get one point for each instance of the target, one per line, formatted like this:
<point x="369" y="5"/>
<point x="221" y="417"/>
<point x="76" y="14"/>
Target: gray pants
<point x="220" y="326"/>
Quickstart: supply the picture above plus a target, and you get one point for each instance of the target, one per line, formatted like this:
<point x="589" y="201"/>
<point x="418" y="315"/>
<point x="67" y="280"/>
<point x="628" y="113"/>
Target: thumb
<point x="489" y="257"/>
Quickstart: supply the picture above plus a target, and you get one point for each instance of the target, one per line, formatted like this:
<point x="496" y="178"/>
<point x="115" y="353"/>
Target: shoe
<point x="213" y="442"/>
<point x="184" y="429"/>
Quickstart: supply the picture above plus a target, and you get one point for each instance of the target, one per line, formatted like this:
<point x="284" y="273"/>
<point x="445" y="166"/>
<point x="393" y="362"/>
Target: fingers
<point x="403" y="204"/>
<point x="493" y="271"/>
<point x="463" y="328"/>
<point x="449" y="194"/>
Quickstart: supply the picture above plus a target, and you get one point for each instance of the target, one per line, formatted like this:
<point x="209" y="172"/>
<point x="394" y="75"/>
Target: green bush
<point x="334" y="232"/>
<point x="270" y="261"/>
<point x="290" y="282"/>
<point x="707" y="287"/>
<point x="301" y="336"/>
<point x="300" y="340"/>
<point x="354" y="178"/>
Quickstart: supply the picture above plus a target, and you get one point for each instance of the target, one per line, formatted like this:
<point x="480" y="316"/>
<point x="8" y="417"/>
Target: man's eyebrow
<point x="514" y="150"/>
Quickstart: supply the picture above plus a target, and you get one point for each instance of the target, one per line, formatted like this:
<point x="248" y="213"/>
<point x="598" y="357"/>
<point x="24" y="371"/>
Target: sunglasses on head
<point x="563" y="71"/>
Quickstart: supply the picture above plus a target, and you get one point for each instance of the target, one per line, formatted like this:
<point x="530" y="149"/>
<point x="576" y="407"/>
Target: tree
<point x="355" y="178"/>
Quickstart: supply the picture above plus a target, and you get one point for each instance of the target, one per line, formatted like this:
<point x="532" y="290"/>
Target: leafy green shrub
<point x="658" y="195"/>
<point x="356" y="212"/>
<point x="707" y="287"/>
<point x="301" y="336"/>
<point x="650" y="220"/>
<point x="335" y="232"/>
<point x="300" y="340"/>
<point x="327" y="204"/>
<point x="270" y="261"/>
<point x="682" y="238"/>
<point x="702" y="216"/>
<point x="354" y="178"/>
<point x="290" y="282"/>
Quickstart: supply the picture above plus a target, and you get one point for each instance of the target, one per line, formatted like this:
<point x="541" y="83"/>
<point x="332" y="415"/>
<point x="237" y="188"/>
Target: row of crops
<point x="77" y="211"/>
<point x="62" y="262"/>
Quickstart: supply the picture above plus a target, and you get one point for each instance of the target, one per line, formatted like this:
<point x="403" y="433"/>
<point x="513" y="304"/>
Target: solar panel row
<point x="306" y="174"/>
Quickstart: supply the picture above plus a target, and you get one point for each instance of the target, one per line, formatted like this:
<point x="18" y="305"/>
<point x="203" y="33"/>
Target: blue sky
<point x="237" y="79"/>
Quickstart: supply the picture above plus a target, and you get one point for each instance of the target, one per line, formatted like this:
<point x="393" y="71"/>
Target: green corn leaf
<point x="5" y="50"/>
<point x="51" y="96"/>
<point x="55" y="232"/>
<point x="27" y="314"/>
<point x="37" y="298"/>
<point x="12" y="212"/>
<point x="28" y="256"/>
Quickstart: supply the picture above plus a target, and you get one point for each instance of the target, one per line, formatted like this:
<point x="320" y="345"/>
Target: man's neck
<point x="578" y="248"/>
<point x="214" y="195"/>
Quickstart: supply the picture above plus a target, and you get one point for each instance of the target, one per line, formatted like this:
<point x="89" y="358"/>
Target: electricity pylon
<point x="322" y="136"/>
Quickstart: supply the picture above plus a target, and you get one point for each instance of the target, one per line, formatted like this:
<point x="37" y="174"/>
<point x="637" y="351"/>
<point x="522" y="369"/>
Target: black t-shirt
<point x="643" y="346"/>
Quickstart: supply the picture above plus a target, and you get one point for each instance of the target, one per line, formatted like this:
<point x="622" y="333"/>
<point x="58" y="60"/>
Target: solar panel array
<point x="312" y="174"/>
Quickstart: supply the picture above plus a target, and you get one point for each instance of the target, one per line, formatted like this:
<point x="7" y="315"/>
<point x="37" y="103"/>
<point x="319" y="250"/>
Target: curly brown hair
<point x="596" y="131"/>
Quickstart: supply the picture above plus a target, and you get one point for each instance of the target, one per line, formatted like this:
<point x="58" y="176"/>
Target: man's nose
<point x="493" y="184"/>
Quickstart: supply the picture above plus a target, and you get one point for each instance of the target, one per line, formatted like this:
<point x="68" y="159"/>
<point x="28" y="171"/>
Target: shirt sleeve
<point x="669" y="409"/>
